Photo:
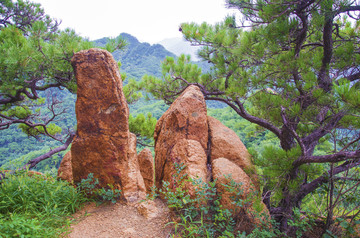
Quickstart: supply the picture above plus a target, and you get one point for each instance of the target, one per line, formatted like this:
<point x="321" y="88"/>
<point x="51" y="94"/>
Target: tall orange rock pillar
<point x="101" y="145"/>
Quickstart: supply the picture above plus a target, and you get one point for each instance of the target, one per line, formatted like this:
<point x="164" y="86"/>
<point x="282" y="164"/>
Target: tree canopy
<point x="35" y="64"/>
<point x="291" y="67"/>
<point x="35" y="57"/>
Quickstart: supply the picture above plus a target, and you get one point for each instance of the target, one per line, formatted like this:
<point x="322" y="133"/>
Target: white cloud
<point x="150" y="21"/>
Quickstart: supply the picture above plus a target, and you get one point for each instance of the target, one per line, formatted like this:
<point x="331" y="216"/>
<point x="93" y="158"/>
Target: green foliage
<point x="131" y="90"/>
<point x="36" y="206"/>
<point x="17" y="225"/>
<point x="90" y="187"/>
<point x="35" y="57"/>
<point x="347" y="225"/>
<point x="141" y="125"/>
<point x="254" y="137"/>
<point x="301" y="223"/>
<point x="161" y="88"/>
<point x="156" y="107"/>
<point x="295" y="74"/>
<point x="16" y="161"/>
<point x="201" y="214"/>
<point x="115" y="44"/>
<point x="196" y="217"/>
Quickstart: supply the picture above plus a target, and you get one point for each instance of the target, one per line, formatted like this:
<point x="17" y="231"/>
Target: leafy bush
<point x="36" y="206"/>
<point x="201" y="214"/>
<point x="90" y="187"/>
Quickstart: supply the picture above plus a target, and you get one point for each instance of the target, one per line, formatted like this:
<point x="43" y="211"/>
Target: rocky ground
<point x="120" y="221"/>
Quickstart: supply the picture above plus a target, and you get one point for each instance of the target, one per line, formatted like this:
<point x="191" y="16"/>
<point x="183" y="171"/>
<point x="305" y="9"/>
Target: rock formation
<point x="225" y="143"/>
<point x="65" y="168"/>
<point x="223" y="171"/>
<point x="103" y="145"/>
<point x="185" y="135"/>
<point x="132" y="182"/>
<point x="185" y="119"/>
<point x="146" y="163"/>
<point x="191" y="154"/>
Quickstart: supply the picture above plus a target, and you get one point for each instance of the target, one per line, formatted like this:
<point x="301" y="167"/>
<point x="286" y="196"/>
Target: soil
<point x="120" y="220"/>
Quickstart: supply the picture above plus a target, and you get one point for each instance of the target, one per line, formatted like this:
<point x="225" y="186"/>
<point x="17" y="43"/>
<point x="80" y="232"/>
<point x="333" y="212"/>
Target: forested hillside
<point x="137" y="59"/>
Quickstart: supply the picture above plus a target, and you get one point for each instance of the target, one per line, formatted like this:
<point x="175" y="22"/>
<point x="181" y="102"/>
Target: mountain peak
<point x="138" y="58"/>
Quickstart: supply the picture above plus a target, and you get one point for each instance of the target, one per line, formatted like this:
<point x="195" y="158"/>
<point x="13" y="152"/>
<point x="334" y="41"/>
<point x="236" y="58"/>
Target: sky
<point x="148" y="20"/>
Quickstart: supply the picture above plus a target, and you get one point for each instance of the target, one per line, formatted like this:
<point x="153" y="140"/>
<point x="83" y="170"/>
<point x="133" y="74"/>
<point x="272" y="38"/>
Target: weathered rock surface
<point x="102" y="141"/>
<point x="191" y="154"/>
<point x="185" y="119"/>
<point x="146" y="163"/>
<point x="222" y="170"/>
<point x="132" y="182"/>
<point x="65" y="168"/>
<point x="148" y="209"/>
<point x="226" y="144"/>
<point x="246" y="216"/>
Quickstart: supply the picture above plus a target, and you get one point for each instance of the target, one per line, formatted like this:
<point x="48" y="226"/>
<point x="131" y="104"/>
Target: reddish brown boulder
<point x="253" y="212"/>
<point x="101" y="144"/>
<point x="191" y="154"/>
<point x="226" y="144"/>
<point x="146" y="163"/>
<point x="65" y="168"/>
<point x="132" y="182"/>
<point x="185" y="119"/>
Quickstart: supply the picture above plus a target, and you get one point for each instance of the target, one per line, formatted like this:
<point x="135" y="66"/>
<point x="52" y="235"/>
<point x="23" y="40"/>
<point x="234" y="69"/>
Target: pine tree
<point x="35" y="58"/>
<point x="291" y="67"/>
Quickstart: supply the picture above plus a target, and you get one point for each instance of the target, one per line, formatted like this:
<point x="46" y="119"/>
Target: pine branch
<point x="32" y="163"/>
<point x="307" y="188"/>
<point x="333" y="158"/>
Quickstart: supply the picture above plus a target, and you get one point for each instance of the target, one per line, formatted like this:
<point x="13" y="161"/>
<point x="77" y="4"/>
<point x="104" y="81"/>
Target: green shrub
<point x="20" y="225"/>
<point x="202" y="215"/>
<point x="89" y="187"/>
<point x="36" y="206"/>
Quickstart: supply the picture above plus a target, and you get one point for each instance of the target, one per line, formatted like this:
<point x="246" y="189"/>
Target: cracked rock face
<point x="246" y="216"/>
<point x="207" y="150"/>
<point x="146" y="163"/>
<point x="191" y="154"/>
<point x="185" y="119"/>
<point x="102" y="142"/>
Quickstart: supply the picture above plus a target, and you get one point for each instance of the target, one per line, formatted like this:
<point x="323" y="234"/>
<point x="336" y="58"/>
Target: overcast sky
<point x="148" y="20"/>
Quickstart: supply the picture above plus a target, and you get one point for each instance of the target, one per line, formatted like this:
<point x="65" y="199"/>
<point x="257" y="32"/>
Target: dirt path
<point x="120" y="220"/>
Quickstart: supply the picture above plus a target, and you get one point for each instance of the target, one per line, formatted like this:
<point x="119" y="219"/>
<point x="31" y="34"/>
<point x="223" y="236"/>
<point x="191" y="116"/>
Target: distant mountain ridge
<point x="138" y="58"/>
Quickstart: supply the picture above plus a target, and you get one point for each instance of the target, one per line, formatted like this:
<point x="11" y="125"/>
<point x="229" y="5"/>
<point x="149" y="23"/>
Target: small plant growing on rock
<point x="199" y="212"/>
<point x="153" y="193"/>
<point x="90" y="187"/>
